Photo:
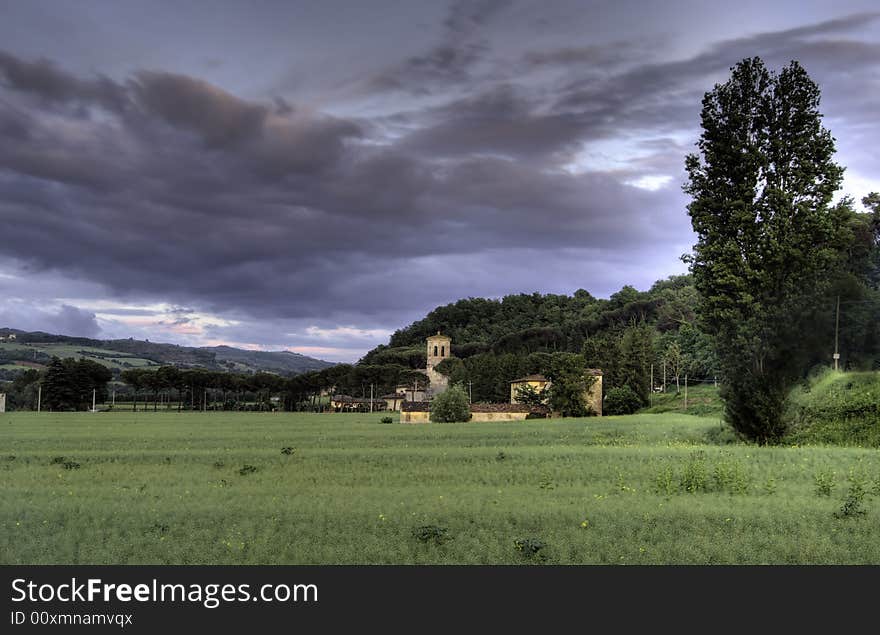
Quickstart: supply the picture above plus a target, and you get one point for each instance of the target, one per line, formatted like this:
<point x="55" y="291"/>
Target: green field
<point x="175" y="488"/>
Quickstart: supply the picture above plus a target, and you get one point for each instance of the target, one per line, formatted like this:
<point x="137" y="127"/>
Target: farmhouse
<point x="593" y="395"/>
<point x="393" y="400"/>
<point x="347" y="403"/>
<point x="538" y="382"/>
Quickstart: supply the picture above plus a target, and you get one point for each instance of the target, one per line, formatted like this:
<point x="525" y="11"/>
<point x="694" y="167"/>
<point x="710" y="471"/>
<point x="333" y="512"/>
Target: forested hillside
<point x="495" y="341"/>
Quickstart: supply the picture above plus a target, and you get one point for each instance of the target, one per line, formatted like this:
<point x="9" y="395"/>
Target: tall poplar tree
<point x="761" y="188"/>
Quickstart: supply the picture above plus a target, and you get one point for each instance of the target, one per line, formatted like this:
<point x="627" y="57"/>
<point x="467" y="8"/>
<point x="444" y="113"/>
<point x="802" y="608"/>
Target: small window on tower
<point x="442" y="351"/>
<point x="435" y="351"/>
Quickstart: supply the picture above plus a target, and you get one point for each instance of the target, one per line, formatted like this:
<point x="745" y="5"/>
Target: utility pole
<point x="371" y="398"/>
<point x="685" y="391"/>
<point x="664" y="376"/>
<point x="836" y="325"/>
<point x="114" y="397"/>
<point x="651" y="394"/>
<point x="94" y="393"/>
<point x="39" y="396"/>
<point x="470" y="392"/>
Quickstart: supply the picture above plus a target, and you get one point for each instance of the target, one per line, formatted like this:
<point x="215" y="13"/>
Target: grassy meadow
<point x="293" y="488"/>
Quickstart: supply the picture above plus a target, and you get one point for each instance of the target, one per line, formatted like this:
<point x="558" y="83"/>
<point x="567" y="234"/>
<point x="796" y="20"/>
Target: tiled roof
<point x="529" y="378"/>
<point x="508" y="407"/>
<point x="415" y="406"/>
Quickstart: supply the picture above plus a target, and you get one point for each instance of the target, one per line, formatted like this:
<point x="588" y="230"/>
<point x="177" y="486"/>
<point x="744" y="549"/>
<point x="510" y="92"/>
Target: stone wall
<point x="415" y="417"/>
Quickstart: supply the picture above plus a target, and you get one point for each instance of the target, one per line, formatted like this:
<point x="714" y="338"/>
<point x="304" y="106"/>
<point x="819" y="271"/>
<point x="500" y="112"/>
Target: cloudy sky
<point x="312" y="175"/>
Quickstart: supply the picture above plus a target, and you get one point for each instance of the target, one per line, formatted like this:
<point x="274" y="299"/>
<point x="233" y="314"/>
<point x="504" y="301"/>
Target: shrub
<point x="247" y="469"/>
<point x="288" y="450"/>
<point x="529" y="547"/>
<point x="824" y="480"/>
<point x="451" y="406"/>
<point x="622" y="401"/>
<point x="694" y="477"/>
<point x="723" y="434"/>
<point x="387" y="420"/>
<point x="432" y="533"/>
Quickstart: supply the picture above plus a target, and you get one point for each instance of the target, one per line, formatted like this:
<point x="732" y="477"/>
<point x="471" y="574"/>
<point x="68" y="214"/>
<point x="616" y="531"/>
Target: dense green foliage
<point x="451" y="406"/>
<point x="69" y="384"/>
<point x="836" y="408"/>
<point x="496" y="341"/>
<point x="569" y="385"/>
<point x="622" y="400"/>
<point x="645" y="489"/>
<point x="769" y="241"/>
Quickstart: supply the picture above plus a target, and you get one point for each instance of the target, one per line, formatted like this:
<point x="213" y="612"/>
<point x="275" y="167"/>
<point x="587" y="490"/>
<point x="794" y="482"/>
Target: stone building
<point x="538" y="382"/>
<point x="439" y="348"/>
<point x="593" y="396"/>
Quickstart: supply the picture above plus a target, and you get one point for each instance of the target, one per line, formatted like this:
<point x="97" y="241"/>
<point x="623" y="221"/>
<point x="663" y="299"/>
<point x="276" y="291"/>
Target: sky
<point x="311" y="176"/>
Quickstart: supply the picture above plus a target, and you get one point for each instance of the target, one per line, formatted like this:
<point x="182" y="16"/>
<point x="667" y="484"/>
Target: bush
<point x="387" y="420"/>
<point x="451" y="406"/>
<point x="432" y="534"/>
<point x="622" y="401"/>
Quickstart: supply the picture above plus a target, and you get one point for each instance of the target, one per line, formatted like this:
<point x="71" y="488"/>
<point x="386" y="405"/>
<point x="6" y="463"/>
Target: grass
<point x="837" y="408"/>
<point x="220" y="488"/>
<point x="702" y="400"/>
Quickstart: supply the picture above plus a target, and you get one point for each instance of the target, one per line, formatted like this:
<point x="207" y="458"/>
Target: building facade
<point x="439" y="348"/>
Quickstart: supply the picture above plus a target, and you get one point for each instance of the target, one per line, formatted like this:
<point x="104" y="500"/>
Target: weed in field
<point x="247" y="469"/>
<point x="71" y="465"/>
<point x="58" y="460"/>
<point x="219" y="465"/>
<point x="432" y="534"/>
<point x="623" y="487"/>
<point x="500" y="456"/>
<point x="694" y="477"/>
<point x="288" y="450"/>
<point x="730" y="477"/>
<point x="854" y="501"/>
<point x="160" y="528"/>
<point x="387" y="420"/>
<point x="770" y="486"/>
<point x="664" y="481"/>
<point x="824" y="481"/>
<point x="585" y="524"/>
<point x="547" y="482"/>
<point x="530" y="547"/>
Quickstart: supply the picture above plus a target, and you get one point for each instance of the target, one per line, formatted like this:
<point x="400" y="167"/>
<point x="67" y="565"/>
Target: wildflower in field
<point x="382" y="517"/>
<point x="585" y="523"/>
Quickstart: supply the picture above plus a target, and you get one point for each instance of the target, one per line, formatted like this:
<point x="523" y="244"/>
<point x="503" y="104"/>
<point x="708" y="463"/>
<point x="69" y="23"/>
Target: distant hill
<point x="36" y="348"/>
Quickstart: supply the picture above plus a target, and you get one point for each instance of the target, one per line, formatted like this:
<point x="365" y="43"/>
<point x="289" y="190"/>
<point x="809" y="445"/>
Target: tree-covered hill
<point x="40" y="348"/>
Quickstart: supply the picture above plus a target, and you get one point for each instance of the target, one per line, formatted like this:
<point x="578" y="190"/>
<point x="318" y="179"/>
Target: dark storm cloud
<point x="279" y="216"/>
<point x="44" y="79"/>
<point x="257" y="212"/>
<point x="651" y="94"/>
<point x="451" y="61"/>
<point x="67" y="320"/>
<point x="219" y="118"/>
